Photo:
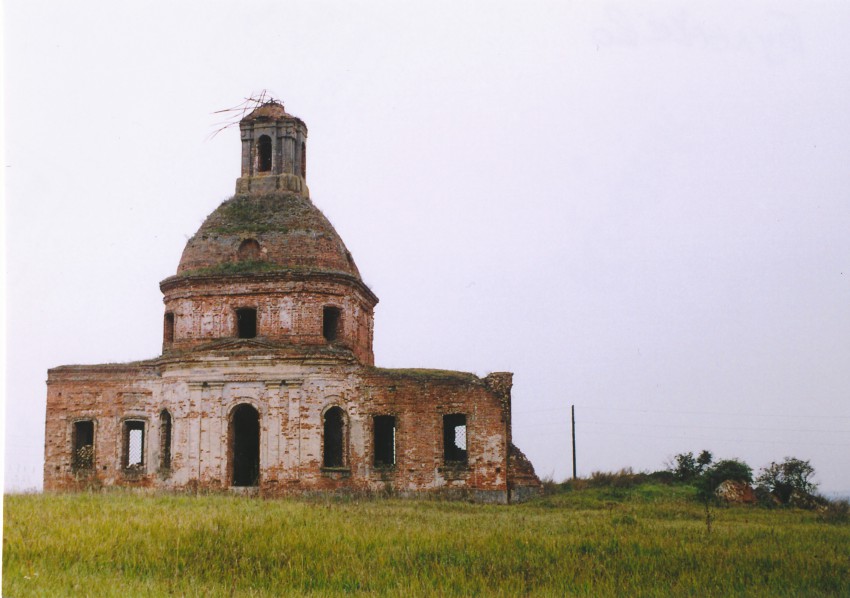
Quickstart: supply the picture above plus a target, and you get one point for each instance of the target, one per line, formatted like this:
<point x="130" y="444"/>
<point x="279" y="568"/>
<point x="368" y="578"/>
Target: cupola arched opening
<point x="264" y="153"/>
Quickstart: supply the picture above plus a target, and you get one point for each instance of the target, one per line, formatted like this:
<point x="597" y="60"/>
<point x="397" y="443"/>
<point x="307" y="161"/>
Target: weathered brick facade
<point x="267" y="375"/>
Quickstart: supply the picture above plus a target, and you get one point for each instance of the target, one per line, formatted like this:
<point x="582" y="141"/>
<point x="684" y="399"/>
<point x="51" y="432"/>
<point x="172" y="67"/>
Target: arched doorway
<point x="244" y="446"/>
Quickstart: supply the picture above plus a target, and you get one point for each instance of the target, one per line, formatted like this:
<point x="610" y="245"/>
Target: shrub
<point x="625" y="478"/>
<point x="836" y="511"/>
<point x="662" y="477"/>
<point x="686" y="468"/>
<point x="550" y="486"/>
<point x="766" y="498"/>
<point x="784" y="479"/>
<point x="727" y="469"/>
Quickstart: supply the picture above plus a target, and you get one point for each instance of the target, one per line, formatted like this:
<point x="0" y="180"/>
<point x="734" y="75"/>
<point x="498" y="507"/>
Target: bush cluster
<point x="786" y="483"/>
<point x="788" y="478"/>
<point x="836" y="511"/>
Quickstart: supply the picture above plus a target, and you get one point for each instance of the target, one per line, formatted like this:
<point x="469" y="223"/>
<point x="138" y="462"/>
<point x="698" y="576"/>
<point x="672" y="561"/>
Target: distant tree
<point x="704" y="460"/>
<point x="783" y="479"/>
<point x="726" y="469"/>
<point x="686" y="468"/>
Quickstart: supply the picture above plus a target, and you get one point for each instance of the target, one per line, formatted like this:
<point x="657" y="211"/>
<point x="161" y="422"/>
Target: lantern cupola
<point x="274" y="151"/>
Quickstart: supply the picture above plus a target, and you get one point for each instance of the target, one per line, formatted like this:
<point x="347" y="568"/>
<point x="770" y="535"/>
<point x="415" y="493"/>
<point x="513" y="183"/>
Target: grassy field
<point x="644" y="541"/>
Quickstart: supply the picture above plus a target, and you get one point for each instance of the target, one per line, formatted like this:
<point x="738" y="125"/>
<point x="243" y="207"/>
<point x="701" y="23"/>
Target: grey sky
<point x="641" y="208"/>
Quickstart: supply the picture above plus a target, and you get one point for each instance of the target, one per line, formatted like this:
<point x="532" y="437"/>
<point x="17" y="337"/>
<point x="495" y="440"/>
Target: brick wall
<point x="290" y="398"/>
<point x="289" y="310"/>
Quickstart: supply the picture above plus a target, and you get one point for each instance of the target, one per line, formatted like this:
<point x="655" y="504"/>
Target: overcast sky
<point x="639" y="208"/>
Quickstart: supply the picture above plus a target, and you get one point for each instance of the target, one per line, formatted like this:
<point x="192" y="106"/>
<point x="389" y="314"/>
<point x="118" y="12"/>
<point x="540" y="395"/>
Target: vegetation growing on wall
<point x="261" y="213"/>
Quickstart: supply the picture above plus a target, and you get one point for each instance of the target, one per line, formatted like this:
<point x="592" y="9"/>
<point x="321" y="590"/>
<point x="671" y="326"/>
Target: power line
<point x="742" y="429"/>
<point x="556" y="423"/>
<point x="708" y="439"/>
<point x="727" y="414"/>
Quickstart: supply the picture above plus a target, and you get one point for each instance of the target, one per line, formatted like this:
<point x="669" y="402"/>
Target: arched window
<point x="164" y="440"/>
<point x="334" y="438"/>
<point x="249" y="250"/>
<point x="264" y="153"/>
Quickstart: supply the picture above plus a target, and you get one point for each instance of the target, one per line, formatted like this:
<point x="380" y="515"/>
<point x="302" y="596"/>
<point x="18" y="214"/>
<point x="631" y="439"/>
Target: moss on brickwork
<point x="423" y="374"/>
<point x="254" y="267"/>
<point x="262" y="213"/>
<point x="225" y="268"/>
<point x="291" y="233"/>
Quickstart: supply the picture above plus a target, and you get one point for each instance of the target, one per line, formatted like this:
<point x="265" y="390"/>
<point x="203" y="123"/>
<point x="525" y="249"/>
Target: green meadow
<point x="648" y="540"/>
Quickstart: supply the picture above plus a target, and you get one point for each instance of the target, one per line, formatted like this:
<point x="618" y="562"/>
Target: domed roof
<point x="260" y="234"/>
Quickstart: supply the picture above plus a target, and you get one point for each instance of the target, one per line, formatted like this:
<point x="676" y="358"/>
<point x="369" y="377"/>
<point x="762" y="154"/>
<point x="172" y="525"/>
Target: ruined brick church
<point x="267" y="377"/>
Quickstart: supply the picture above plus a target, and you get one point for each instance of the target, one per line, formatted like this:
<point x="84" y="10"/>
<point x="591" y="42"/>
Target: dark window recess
<point x="134" y="444"/>
<point x="303" y="160"/>
<point x="245" y="447"/>
<point x="384" y="440"/>
<point x="334" y="438"/>
<point x="454" y="438"/>
<point x="331" y="323"/>
<point x="246" y="322"/>
<point x="168" y="328"/>
<point x="264" y="153"/>
<point x="83" y="445"/>
<point x="249" y="250"/>
<point x="164" y="440"/>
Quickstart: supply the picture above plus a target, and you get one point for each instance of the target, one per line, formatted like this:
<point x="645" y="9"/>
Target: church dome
<point x="266" y="233"/>
<point x="266" y="271"/>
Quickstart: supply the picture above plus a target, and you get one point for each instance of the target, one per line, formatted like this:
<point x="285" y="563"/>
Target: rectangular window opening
<point x="134" y="444"/>
<point x="331" y="323"/>
<point x="83" y="445"/>
<point x="246" y="322"/>
<point x="454" y="438"/>
<point x="168" y="332"/>
<point x="384" y="440"/>
<point x="165" y="440"/>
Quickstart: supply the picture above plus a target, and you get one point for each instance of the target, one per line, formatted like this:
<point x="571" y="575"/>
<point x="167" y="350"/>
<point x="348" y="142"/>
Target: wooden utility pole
<point x="573" y="411"/>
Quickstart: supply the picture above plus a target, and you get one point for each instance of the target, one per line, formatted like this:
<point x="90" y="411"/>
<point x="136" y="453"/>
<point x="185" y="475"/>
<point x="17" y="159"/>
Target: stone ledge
<point x="272" y="183"/>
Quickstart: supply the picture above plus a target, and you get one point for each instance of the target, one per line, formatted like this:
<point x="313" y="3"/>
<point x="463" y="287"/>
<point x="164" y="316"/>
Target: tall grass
<point x="646" y="540"/>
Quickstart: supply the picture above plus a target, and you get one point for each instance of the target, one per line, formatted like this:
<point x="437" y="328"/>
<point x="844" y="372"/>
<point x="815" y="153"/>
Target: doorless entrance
<point x="245" y="446"/>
